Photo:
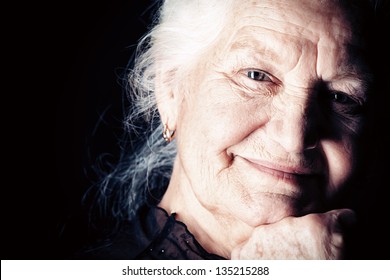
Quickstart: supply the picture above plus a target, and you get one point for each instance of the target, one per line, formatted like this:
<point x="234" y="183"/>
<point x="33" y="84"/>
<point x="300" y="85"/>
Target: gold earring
<point x="168" y="134"/>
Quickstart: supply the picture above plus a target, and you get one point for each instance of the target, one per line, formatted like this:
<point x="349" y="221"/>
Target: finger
<point x="345" y="219"/>
<point x="236" y="252"/>
<point x="342" y="220"/>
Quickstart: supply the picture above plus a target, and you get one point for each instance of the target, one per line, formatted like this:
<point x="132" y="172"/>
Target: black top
<point x="152" y="234"/>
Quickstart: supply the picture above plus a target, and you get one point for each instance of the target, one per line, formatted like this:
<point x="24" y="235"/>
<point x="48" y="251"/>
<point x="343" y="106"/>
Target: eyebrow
<point x="256" y="48"/>
<point x="362" y="75"/>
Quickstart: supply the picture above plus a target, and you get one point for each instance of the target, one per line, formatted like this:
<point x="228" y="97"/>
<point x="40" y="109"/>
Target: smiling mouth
<point x="302" y="186"/>
<point x="288" y="173"/>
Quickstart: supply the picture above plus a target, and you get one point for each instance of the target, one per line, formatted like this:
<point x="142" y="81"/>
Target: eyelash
<point x="344" y="104"/>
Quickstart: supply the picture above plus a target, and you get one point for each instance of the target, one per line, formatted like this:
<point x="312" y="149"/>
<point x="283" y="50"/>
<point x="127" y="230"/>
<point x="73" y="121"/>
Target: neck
<point x="218" y="233"/>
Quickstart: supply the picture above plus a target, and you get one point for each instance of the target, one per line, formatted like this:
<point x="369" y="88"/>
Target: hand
<point x="314" y="236"/>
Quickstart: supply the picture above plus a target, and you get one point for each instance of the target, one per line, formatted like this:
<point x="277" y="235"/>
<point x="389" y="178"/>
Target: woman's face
<point x="270" y="129"/>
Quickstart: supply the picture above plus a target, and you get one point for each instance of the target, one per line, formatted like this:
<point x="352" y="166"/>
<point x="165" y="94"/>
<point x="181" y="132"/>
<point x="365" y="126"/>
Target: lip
<point x="297" y="186"/>
<point x="282" y="171"/>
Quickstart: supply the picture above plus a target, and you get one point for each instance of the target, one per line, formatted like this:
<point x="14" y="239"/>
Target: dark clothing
<point x="152" y="234"/>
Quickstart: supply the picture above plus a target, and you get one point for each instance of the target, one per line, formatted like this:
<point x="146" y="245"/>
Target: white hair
<point x="184" y="31"/>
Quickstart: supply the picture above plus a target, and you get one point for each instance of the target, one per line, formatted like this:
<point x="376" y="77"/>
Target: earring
<point x="168" y="134"/>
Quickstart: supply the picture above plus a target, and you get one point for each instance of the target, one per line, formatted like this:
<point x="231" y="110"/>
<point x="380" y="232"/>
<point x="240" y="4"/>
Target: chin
<point x="268" y="209"/>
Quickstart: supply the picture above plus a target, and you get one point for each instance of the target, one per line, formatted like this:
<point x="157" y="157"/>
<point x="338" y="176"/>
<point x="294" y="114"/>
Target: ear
<point x="167" y="98"/>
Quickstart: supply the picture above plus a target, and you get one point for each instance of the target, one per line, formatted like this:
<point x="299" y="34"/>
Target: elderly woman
<point x="256" y="111"/>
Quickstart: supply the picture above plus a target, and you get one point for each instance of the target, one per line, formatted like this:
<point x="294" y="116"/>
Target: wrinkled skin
<point x="314" y="236"/>
<point x="267" y="133"/>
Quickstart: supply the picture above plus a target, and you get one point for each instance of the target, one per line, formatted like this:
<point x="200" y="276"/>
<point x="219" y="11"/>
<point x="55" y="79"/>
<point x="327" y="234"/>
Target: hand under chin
<point x="314" y="236"/>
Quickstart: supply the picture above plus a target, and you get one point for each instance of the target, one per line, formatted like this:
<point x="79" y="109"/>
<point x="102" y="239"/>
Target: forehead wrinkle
<point x="257" y="37"/>
<point x="256" y="49"/>
<point x="268" y="43"/>
<point x="261" y="40"/>
<point x="278" y="15"/>
<point x="301" y="34"/>
<point x="277" y="18"/>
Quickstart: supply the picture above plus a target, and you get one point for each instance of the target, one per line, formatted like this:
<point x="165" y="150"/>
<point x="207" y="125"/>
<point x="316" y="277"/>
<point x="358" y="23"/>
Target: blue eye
<point x="258" y="75"/>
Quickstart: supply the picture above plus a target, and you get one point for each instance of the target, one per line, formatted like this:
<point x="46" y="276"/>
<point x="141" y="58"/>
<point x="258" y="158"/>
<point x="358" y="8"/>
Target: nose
<point x="294" y="127"/>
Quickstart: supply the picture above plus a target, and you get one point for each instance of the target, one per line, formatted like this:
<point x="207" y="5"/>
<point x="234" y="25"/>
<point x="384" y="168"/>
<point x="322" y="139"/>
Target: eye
<point x="258" y="75"/>
<point x="252" y="82"/>
<point x="342" y="98"/>
<point x="344" y="103"/>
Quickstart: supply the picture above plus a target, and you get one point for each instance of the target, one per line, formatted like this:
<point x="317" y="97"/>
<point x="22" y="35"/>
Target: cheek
<point x="211" y="122"/>
<point x="340" y="160"/>
<point x="214" y="119"/>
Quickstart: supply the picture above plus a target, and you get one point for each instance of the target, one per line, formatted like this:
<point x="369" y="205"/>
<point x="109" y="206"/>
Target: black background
<point x="63" y="65"/>
<point x="64" y="74"/>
